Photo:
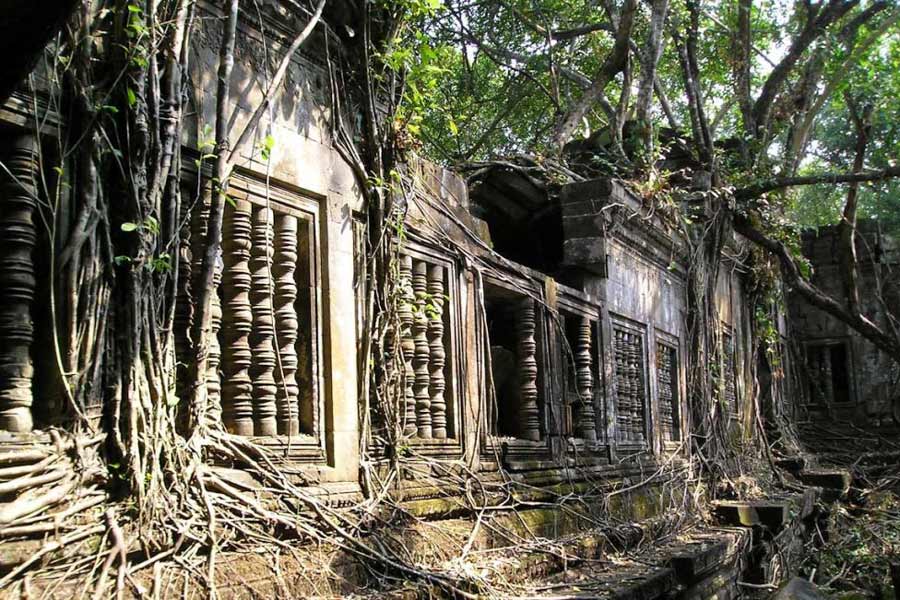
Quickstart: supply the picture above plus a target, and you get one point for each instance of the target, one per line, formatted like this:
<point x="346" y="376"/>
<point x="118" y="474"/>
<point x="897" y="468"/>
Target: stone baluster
<point x="635" y="365"/>
<point x="827" y="374"/>
<point x="237" y="390"/>
<point x="632" y="386"/>
<point x="287" y="323"/>
<point x="407" y="345"/>
<point x="816" y="372"/>
<point x="529" y="413"/>
<point x="665" y="392"/>
<point x="213" y="380"/>
<point x="586" y="426"/>
<point x="17" y="283"/>
<point x="262" y="369"/>
<point x="623" y="385"/>
<point x="437" y="356"/>
<point x="422" y="380"/>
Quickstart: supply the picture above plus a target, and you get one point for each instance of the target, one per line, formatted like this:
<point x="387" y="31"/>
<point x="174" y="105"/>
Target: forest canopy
<point x="782" y="89"/>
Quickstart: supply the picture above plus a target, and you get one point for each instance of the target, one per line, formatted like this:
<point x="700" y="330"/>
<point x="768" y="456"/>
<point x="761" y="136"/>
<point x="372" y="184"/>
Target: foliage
<point x="863" y="542"/>
<point x="875" y="81"/>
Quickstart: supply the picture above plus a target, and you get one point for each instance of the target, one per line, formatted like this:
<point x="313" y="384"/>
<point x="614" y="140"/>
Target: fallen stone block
<point x="798" y="589"/>
<point x="835" y="484"/>
<point x="791" y="464"/>
<point x="771" y="514"/>
<point x="697" y="559"/>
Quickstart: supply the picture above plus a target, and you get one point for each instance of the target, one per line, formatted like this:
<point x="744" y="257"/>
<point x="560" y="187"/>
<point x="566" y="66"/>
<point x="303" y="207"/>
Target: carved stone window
<point x="265" y="374"/>
<point x="514" y="333"/>
<point x="427" y="326"/>
<point x="667" y="377"/>
<point x="631" y="387"/>
<point x="583" y="384"/>
<point x="828" y="373"/>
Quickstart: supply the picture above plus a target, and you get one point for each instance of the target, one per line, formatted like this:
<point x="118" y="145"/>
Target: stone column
<point x="665" y="391"/>
<point x="407" y="345"/>
<point x="437" y="358"/>
<point x="422" y="380"/>
<point x="635" y="371"/>
<point x="17" y="283"/>
<point x="529" y="413"/>
<point x="623" y="390"/>
<point x="237" y="321"/>
<point x="286" y="323"/>
<point x="586" y="427"/>
<point x="262" y="368"/>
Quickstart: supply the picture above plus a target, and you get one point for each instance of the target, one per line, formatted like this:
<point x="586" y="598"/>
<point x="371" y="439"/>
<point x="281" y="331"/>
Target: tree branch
<point x="614" y="63"/>
<point x="847" y="227"/>
<point x="754" y="191"/>
<point x="649" y="61"/>
<point x="817" y="22"/>
<point x="813" y="295"/>
<point x="561" y="35"/>
<point x="741" y="70"/>
<point x="206" y="278"/>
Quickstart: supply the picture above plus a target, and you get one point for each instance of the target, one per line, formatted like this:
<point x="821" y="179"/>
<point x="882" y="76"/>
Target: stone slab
<point x="791" y="464"/>
<point x="696" y="559"/>
<point x="830" y="480"/>
<point x="771" y="514"/>
<point x="627" y="581"/>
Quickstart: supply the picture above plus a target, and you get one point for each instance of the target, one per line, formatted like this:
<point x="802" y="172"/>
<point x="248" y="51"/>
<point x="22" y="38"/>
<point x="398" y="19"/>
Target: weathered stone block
<point x="582" y="226"/>
<point x="799" y="589"/>
<point x="698" y="559"/>
<point x="589" y="253"/>
<point x="832" y="480"/>
<point x="773" y="515"/>
<point x="835" y="484"/>
<point x="791" y="464"/>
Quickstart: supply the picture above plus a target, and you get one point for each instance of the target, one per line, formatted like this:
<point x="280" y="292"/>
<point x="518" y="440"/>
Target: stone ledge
<point x="835" y="484"/>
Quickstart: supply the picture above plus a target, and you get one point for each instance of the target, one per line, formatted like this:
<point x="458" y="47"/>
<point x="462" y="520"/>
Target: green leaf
<point x="122" y="260"/>
<point x="161" y="264"/>
<point x="266" y="145"/>
<point x="129" y="227"/>
<point x="132" y="97"/>
<point x="152" y="225"/>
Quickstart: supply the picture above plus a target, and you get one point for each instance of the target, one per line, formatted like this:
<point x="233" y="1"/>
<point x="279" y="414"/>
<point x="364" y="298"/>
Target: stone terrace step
<point x="696" y="566"/>
<point x="835" y="483"/>
<point x="701" y="555"/>
<point x="622" y="580"/>
<point x="772" y="513"/>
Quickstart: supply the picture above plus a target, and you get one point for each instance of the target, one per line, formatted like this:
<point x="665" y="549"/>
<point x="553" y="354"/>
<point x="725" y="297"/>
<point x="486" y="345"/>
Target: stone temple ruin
<point x="543" y="341"/>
